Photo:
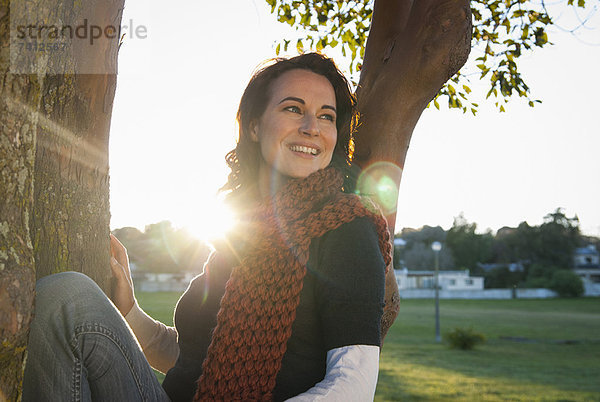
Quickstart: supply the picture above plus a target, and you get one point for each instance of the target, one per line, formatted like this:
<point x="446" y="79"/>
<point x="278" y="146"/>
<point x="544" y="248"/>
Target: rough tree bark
<point x="18" y="103"/>
<point x="54" y="211"/>
<point x="413" y="48"/>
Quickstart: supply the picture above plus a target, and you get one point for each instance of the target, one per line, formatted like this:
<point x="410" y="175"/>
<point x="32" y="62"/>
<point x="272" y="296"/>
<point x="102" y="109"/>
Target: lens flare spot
<point x="379" y="181"/>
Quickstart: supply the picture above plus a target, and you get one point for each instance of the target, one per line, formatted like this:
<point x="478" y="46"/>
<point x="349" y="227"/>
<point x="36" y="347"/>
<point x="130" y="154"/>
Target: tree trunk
<point x="55" y="109"/>
<point x="413" y="48"/>
<point x="20" y="97"/>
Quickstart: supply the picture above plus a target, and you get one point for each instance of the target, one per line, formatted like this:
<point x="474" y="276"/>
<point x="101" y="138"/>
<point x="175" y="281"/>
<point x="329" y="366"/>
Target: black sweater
<point x="341" y="304"/>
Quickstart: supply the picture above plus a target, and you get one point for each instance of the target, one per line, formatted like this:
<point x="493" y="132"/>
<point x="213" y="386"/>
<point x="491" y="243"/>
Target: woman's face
<point x="297" y="132"/>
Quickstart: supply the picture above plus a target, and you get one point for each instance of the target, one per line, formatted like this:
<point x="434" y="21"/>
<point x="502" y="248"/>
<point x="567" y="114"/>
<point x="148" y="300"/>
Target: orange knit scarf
<point x="258" y="308"/>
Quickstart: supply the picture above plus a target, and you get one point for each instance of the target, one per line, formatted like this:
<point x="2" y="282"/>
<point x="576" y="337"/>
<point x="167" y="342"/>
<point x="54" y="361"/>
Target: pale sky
<point x="178" y="90"/>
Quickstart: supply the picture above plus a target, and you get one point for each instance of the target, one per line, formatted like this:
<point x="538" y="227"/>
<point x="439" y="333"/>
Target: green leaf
<point x="278" y="49"/>
<point x="319" y="45"/>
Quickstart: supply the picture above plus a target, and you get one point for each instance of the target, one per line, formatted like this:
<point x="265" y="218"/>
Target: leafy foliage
<point x="162" y="248"/>
<point x="465" y="339"/>
<point x="503" y="278"/>
<point x="468" y="247"/>
<point x="566" y="284"/>
<point x="540" y="275"/>
<point x="525" y="256"/>
<point x="558" y="237"/>
<point x="417" y="253"/>
<point x="503" y="31"/>
<point x="550" y="244"/>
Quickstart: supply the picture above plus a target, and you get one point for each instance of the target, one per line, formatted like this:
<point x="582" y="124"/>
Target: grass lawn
<point x="555" y="358"/>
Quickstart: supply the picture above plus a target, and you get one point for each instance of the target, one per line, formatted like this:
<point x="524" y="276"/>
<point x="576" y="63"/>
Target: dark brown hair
<point x="244" y="160"/>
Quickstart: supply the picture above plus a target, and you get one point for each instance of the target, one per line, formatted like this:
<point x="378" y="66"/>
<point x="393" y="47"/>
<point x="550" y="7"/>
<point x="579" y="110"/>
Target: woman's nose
<point x="310" y="125"/>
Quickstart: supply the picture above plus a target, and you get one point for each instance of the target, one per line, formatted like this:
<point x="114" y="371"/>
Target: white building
<point x="586" y="257"/>
<point x="448" y="280"/>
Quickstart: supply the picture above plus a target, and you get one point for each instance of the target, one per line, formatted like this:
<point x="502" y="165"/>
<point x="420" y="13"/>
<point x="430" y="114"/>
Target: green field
<point x="536" y="350"/>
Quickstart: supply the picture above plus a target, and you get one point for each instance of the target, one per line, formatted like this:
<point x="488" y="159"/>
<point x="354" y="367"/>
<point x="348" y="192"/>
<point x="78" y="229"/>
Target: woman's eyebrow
<point x="293" y="98"/>
<point x="300" y="100"/>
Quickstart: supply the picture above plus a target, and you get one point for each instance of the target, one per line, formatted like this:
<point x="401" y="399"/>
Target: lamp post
<point x="436" y="246"/>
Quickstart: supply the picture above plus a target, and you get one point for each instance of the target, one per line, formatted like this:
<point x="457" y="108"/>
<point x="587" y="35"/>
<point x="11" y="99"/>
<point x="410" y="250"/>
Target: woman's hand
<point x="122" y="289"/>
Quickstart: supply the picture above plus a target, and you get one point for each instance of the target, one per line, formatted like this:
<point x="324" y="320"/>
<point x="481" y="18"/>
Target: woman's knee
<point x="63" y="280"/>
<point x="65" y="287"/>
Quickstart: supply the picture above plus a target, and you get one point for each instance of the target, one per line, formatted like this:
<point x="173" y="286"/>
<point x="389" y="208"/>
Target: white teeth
<point x="306" y="150"/>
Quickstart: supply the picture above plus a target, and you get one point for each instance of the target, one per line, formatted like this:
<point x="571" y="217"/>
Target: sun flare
<point x="214" y="220"/>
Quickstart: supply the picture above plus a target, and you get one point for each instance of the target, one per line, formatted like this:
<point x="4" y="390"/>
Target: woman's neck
<point x="270" y="180"/>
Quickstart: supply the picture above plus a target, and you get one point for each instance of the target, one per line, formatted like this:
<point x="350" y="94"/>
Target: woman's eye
<point x="293" y="109"/>
<point x="328" y="117"/>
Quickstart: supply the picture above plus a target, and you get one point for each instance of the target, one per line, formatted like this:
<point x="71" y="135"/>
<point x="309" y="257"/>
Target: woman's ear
<point x="253" y="130"/>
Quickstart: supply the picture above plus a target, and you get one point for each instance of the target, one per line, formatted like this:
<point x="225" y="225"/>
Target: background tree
<point x="468" y="247"/>
<point x="515" y="244"/>
<point x="163" y="248"/>
<point x="55" y="109"/>
<point x="566" y="284"/>
<point x="417" y="253"/>
<point x="558" y="238"/>
<point x="542" y="249"/>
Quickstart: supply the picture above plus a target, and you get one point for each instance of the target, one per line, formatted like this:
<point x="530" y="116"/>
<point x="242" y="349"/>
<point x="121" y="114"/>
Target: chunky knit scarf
<point x="258" y="308"/>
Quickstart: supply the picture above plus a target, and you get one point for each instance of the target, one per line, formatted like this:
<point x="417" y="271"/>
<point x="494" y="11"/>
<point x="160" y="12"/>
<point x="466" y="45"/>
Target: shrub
<point x="540" y="275"/>
<point x="566" y="284"/>
<point x="465" y="339"/>
<point x="501" y="277"/>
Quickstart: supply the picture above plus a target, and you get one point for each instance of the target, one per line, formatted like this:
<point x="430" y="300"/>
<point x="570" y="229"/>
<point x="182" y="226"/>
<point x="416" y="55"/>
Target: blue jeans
<point x="81" y="349"/>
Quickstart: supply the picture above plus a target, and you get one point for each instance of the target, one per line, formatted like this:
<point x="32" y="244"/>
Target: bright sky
<point x="178" y="91"/>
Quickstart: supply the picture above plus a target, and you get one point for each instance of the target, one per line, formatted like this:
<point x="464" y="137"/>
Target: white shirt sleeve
<point x="350" y="376"/>
<point x="158" y="341"/>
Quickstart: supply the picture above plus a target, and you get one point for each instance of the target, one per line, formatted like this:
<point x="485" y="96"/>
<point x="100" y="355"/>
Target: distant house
<point x="161" y="282"/>
<point x="512" y="266"/>
<point x="586" y="257"/>
<point x="586" y="264"/>
<point x="448" y="280"/>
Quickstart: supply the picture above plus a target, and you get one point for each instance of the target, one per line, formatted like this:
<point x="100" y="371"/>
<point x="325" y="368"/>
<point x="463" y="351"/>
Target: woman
<point x="290" y="305"/>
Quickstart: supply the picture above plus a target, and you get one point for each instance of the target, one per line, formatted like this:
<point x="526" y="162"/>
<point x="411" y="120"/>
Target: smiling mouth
<point x="305" y="150"/>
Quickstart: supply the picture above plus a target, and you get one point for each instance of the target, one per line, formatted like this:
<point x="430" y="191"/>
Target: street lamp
<point x="436" y="246"/>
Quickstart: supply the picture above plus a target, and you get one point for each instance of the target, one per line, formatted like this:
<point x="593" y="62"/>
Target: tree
<point x="544" y="249"/>
<point x="468" y="247"/>
<point x="55" y="107"/>
<point x="503" y="31"/>
<point x="417" y="253"/>
<point x="558" y="238"/>
<point x="567" y="284"/>
<point x="515" y="244"/>
<point x="162" y="248"/>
